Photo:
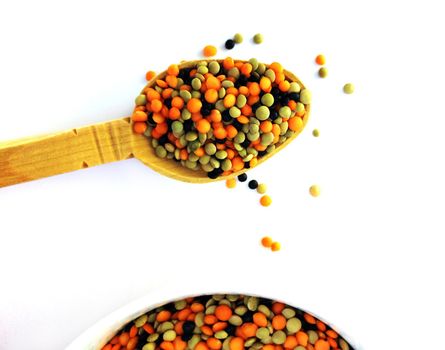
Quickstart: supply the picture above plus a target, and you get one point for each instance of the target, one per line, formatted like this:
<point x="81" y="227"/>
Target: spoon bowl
<point x="42" y="156"/>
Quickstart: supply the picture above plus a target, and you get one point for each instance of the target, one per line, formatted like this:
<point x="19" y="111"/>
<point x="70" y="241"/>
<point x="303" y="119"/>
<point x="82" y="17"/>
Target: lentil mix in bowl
<point x="227" y="322"/>
<point x="221" y="116"/>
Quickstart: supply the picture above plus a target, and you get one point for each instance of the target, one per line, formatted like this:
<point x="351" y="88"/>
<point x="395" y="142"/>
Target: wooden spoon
<point x="41" y="156"/>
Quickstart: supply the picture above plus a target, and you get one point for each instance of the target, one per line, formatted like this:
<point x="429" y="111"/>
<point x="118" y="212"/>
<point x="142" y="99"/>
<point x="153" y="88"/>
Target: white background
<point x="366" y="255"/>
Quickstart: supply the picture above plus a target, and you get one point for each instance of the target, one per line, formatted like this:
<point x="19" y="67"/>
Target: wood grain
<point x="38" y="157"/>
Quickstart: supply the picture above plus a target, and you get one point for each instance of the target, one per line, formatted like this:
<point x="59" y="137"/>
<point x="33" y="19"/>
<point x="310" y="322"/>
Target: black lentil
<point x="230" y="44"/>
<point x="242" y="177"/>
<point x="253" y="184"/>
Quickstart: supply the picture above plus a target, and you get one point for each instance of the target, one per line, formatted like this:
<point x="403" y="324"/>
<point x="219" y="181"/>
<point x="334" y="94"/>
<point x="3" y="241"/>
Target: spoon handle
<point x="37" y="157"/>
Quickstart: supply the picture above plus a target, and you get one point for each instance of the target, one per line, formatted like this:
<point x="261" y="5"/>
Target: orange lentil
<point x="265" y="83"/>
<point x="231" y="131"/>
<point x="239" y="64"/>
<point x="223" y="312"/>
<point x="237" y="163"/>
<point x="156" y="105"/>
<point x="320" y="60"/>
<point x="309" y="318"/>
<point x="260" y="319"/>
<point x="267" y="243"/>
<point x="133" y="331"/>
<point x="161" y="83"/>
<point x="215" y="115"/>
<point x="132" y="343"/>
<point x="167" y="93"/>
<point x="194" y="105"/>
<point x="332" y="334"/>
<point x="277" y="307"/>
<point x="276" y="246"/>
<point x="229" y="100"/>
<point x="219" y="326"/>
<point x="236" y="343"/>
<point x="178" y="326"/>
<point x="279" y="78"/>
<point x="254" y="89"/>
<point x="321" y="344"/>
<point x="295" y="124"/>
<point x="220" y="133"/>
<point x="209" y="51"/>
<point x="321" y="326"/>
<point x="266" y="126"/>
<point x="302" y="338"/>
<point x="253" y="162"/>
<point x="213" y="83"/>
<point x="214" y="344"/>
<point x="200" y="151"/>
<point x="158" y="118"/>
<point x="268" y="347"/>
<point x="276" y="67"/>
<point x="210" y="319"/>
<point x="230" y="153"/>
<point x="139" y="127"/>
<point x="107" y="347"/>
<point x="203" y="126"/>
<point x="232" y="91"/>
<point x="243" y="90"/>
<point x="211" y="95"/>
<point x="124" y="338"/>
<point x="228" y="63"/>
<point x="171" y="80"/>
<point x="116" y="347"/>
<point x="291" y="342"/>
<point x="148" y="328"/>
<point x="243" y="119"/>
<point x="152" y="94"/>
<point x="163" y="316"/>
<point x="173" y="69"/>
<point x="279" y="322"/>
<point x="284" y="86"/>
<point x="197" y="307"/>
<point x="196" y="117"/>
<point x="139" y="116"/>
<point x="162" y="128"/>
<point x="252" y="99"/>
<point x="206" y="330"/>
<point x="150" y="75"/>
<point x="292" y="105"/>
<point x="249" y="329"/>
<point x="167" y="345"/>
<point x="332" y="343"/>
<point x="259" y="147"/>
<point x="179" y="344"/>
<point x="201" y="346"/>
<point x="174" y="113"/>
<point x="246" y="69"/>
<point x="177" y="102"/>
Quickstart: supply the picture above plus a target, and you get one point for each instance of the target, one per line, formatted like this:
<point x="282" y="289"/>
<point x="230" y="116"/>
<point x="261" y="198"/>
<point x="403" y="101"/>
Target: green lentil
<point x="241" y="310"/>
<point x="202" y="70"/>
<point x="226" y="164"/>
<point x="305" y="96"/>
<point x="154" y="143"/>
<point x="226" y="84"/>
<point x="313" y="336"/>
<point x="141" y="321"/>
<point x="249" y="342"/>
<point x="267" y="139"/>
<point x="238" y="38"/>
<point x="165" y="326"/>
<point x="255" y="121"/>
<point x="221" y="154"/>
<point x="186" y="96"/>
<point x="202" y="138"/>
<point x="214" y="67"/>
<point x="288" y="312"/>
<point x="241" y="101"/>
<point x="258" y="38"/>
<point x="235" y="320"/>
<point x="170" y="335"/>
<point x="300" y="107"/>
<point x="169" y="147"/>
<point x="323" y="72"/>
<point x="261" y="189"/>
<point x="193" y="341"/>
<point x="233" y="72"/>
<point x="267" y="340"/>
<point x="200" y="77"/>
<point x="348" y="88"/>
<point x="177" y="127"/>
<point x="219" y="105"/>
<point x="283" y="127"/>
<point x="199" y="319"/>
<point x="285" y="112"/>
<point x="270" y="74"/>
<point x="262" y="333"/>
<point x="253" y="136"/>
<point x="196" y="94"/>
<point x="191" y="165"/>
<point x="293" y="325"/>
<point x="221" y="93"/>
<point x="234" y="112"/>
<point x="254" y="63"/>
<point x="153" y="337"/>
<point x="141" y="100"/>
<point x="279" y="337"/>
<point x="261" y="68"/>
<point x="196" y="84"/>
<point x="254" y="128"/>
<point x="343" y="345"/>
<point x="221" y="335"/>
<point x="211" y="309"/>
<point x="240" y="137"/>
<point x="207" y="167"/>
<point x="226" y="343"/>
<point x="252" y="303"/>
<point x="245" y="128"/>
<point x="161" y="151"/>
<point x="300" y="347"/>
<point x="257" y="346"/>
<point x="267" y="100"/>
<point x="149" y="346"/>
<point x="205" y="159"/>
<point x="262" y="113"/>
<point x="315" y="133"/>
<point x="294" y="87"/>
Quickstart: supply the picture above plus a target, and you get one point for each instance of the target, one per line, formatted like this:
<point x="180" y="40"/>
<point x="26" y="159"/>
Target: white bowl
<point x="95" y="337"/>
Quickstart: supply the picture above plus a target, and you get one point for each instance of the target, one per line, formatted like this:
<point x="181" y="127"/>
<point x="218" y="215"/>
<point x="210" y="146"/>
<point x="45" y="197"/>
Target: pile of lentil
<point x="227" y="322"/>
<point x="220" y="116"/>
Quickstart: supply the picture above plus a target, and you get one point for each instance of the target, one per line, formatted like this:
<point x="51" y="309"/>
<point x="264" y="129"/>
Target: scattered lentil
<point x="209" y="51"/>
<point x="276" y="246"/>
<point x="261" y="189"/>
<point x="242" y="177"/>
<point x="231" y="183"/>
<point x="314" y="190"/>
<point x="320" y="60"/>
<point x="265" y="201"/>
<point x="253" y="184"/>
<point x="323" y="72"/>
<point x="266" y="242"/>
<point x="150" y="75"/>
<point x="315" y="132"/>
<point x="229" y="44"/>
<point x="348" y="88"/>
<point x="258" y="38"/>
<point x="238" y="38"/>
